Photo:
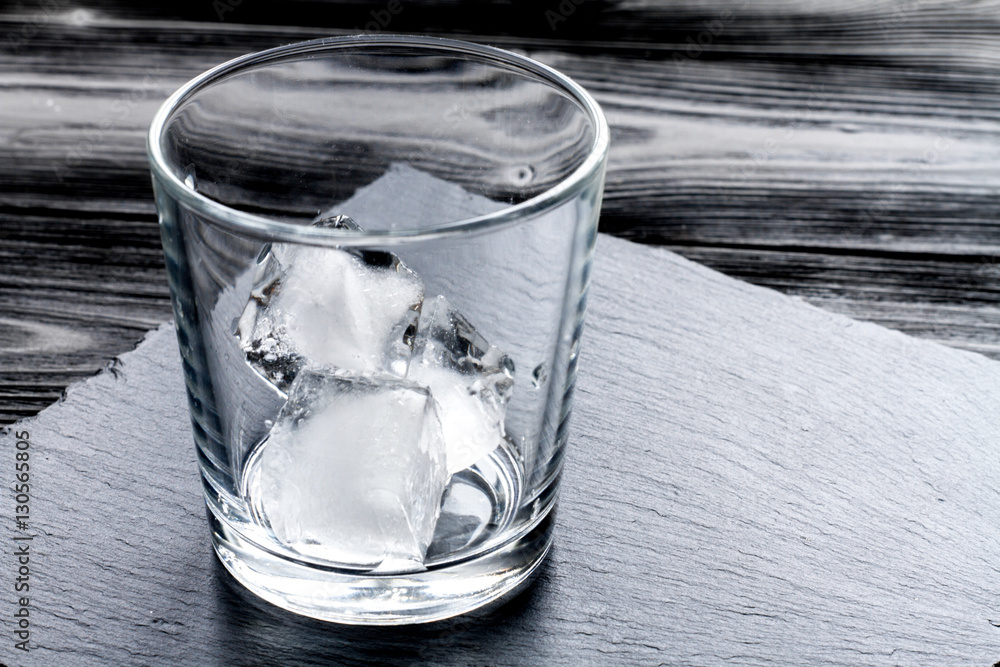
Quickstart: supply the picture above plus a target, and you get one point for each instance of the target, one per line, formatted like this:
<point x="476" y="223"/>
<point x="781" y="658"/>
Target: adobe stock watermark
<point x="381" y="18"/>
<point x="901" y="11"/>
<point x="561" y="13"/>
<point x="460" y="110"/>
<point x="766" y="151"/>
<point x="988" y="271"/>
<point x="21" y="541"/>
<point x="223" y="7"/>
<point x="46" y="12"/>
<point x="266" y="138"/>
<point x="97" y="136"/>
<point x="713" y="29"/>
<point x="877" y="209"/>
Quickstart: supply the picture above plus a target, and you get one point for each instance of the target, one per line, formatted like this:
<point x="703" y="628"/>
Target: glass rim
<point x="262" y="227"/>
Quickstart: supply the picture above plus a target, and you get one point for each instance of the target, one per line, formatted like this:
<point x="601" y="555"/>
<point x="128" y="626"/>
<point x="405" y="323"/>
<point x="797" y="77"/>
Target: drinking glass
<point x="378" y="251"/>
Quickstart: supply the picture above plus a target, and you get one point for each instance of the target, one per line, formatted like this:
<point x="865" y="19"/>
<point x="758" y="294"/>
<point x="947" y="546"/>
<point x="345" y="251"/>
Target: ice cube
<point x="373" y="258"/>
<point x="470" y="379"/>
<point x="266" y="350"/>
<point x="354" y="470"/>
<point x="350" y="309"/>
<point x="334" y="221"/>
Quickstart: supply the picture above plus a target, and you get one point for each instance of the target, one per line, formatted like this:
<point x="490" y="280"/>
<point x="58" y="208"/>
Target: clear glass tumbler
<point x="378" y="251"/>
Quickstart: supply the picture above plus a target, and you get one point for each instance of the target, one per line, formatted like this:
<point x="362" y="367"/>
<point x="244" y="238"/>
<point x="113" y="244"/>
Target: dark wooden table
<point x="841" y="152"/>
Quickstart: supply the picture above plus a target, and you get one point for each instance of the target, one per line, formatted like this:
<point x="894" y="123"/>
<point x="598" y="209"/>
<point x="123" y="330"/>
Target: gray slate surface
<point x="751" y="481"/>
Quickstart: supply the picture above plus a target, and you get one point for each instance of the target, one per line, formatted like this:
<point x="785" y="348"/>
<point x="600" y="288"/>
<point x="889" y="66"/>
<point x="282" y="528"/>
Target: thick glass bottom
<point x="390" y="599"/>
<point x="478" y="508"/>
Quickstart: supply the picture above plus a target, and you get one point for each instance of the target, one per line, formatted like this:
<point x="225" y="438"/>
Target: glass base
<point x="391" y="599"/>
<point x="478" y="507"/>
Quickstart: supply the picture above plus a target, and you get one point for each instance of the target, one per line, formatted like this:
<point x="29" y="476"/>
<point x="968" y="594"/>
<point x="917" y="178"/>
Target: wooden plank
<point x="948" y="299"/>
<point x="786" y="147"/>
<point x="837" y="26"/>
<point x="750" y="481"/>
<point x="845" y="131"/>
<point x="74" y="292"/>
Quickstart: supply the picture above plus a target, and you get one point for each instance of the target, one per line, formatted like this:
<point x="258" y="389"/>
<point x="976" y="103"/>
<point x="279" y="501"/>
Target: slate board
<point x="751" y="481"/>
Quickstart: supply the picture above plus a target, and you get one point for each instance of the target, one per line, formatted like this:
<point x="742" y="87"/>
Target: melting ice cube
<point x="354" y="470"/>
<point x="470" y="379"/>
<point x="328" y="307"/>
<point x="267" y="351"/>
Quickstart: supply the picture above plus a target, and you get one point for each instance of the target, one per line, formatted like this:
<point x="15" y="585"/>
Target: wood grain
<point x="841" y="151"/>
<point x="750" y="481"/>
